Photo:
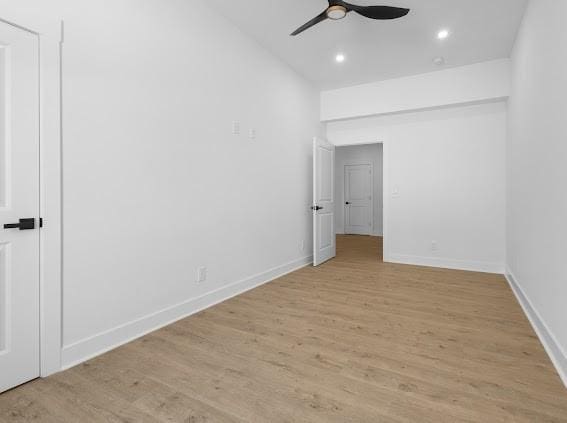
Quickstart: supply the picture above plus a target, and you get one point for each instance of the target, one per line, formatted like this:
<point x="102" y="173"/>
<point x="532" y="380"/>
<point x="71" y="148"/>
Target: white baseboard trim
<point x="547" y="338"/>
<point x="473" y="266"/>
<point x="88" y="348"/>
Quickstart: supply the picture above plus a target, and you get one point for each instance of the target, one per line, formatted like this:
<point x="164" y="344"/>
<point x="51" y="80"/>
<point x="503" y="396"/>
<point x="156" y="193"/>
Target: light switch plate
<point x="235" y="128"/>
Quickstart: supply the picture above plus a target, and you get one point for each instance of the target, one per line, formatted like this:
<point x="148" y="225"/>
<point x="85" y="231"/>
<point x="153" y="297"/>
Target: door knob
<point x="347" y="203"/>
<point x="316" y="208"/>
<point x="23" y="225"/>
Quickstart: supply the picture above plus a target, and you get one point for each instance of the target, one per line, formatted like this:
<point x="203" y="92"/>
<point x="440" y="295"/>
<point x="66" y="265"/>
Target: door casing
<point x="386" y="189"/>
<point x="50" y="38"/>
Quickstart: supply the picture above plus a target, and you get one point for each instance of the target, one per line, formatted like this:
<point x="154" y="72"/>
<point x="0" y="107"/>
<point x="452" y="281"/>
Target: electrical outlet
<point x="202" y="274"/>
<point x="434" y="246"/>
<point x="302" y="245"/>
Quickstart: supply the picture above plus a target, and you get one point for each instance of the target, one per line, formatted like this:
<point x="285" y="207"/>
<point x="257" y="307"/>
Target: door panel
<point x="19" y="198"/>
<point x="323" y="201"/>
<point x="358" y="199"/>
<point x="5" y="282"/>
<point x="3" y="129"/>
<point x="325" y="231"/>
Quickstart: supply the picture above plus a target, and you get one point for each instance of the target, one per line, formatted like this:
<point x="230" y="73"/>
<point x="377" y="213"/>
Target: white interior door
<point x="358" y="199"/>
<point x="19" y="199"/>
<point x="324" y="245"/>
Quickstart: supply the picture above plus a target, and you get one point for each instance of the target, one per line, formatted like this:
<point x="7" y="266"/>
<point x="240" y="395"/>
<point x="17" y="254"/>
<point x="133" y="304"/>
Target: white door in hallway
<point x="358" y="199"/>
<point x="19" y="206"/>
<point x="324" y="244"/>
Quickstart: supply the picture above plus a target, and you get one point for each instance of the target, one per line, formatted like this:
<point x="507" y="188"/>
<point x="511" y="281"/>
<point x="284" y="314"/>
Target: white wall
<point x="537" y="173"/>
<point x="448" y="167"/>
<point x="372" y="154"/>
<point x="155" y="185"/>
<point x="480" y="82"/>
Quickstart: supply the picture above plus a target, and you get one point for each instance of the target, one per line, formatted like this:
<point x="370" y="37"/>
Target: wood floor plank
<point x="354" y="340"/>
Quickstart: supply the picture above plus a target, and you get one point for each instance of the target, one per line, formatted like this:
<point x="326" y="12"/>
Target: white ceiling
<point x="480" y="30"/>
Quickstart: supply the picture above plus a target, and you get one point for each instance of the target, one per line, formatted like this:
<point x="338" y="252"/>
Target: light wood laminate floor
<point x="355" y="340"/>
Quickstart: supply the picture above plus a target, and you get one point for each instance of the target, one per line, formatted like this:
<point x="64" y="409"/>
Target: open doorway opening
<point x="359" y="186"/>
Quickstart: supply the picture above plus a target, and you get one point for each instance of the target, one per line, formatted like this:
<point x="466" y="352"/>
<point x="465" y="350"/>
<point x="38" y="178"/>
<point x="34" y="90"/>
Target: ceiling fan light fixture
<point x="336" y="12"/>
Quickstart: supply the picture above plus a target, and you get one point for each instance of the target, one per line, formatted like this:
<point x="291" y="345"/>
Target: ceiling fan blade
<point x="378" y="12"/>
<point x="317" y="19"/>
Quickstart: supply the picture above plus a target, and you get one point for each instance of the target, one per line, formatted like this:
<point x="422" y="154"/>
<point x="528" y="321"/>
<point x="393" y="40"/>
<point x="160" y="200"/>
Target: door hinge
<point x="41" y="222"/>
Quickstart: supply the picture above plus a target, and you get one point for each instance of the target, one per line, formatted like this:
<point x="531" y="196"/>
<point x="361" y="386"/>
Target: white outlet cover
<point x="202" y="274"/>
<point x="252" y="134"/>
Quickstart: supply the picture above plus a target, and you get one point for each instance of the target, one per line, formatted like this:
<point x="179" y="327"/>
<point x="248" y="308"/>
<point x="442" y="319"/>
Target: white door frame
<point x="385" y="190"/>
<point x="50" y="38"/>
<point x="385" y="200"/>
<point x="359" y="163"/>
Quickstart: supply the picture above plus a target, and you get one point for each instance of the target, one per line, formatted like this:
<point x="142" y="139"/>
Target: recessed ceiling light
<point x="444" y="33"/>
<point x="340" y="58"/>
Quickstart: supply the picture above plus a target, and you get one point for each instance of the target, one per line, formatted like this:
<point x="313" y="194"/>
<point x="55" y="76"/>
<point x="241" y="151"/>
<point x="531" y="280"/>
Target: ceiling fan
<point x="338" y="10"/>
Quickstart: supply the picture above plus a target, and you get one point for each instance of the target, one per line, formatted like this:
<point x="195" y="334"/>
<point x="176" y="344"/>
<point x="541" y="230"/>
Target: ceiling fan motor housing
<point x="336" y="12"/>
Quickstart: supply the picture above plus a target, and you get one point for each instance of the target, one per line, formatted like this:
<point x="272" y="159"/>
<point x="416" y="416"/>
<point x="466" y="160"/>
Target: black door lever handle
<point x="23" y="225"/>
<point x="316" y="208"/>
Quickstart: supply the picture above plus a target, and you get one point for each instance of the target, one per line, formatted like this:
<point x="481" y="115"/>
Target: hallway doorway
<point x="359" y="192"/>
